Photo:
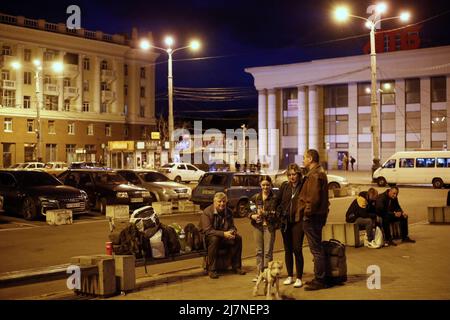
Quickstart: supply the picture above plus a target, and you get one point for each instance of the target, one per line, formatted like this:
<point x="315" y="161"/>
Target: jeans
<point x="264" y="240"/>
<point x="369" y="224"/>
<point x="234" y="248"/>
<point x="312" y="226"/>
<point x="293" y="245"/>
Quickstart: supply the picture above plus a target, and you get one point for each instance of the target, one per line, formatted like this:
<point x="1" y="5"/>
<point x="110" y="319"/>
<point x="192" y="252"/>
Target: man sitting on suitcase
<point x="389" y="210"/>
<point x="217" y="226"/>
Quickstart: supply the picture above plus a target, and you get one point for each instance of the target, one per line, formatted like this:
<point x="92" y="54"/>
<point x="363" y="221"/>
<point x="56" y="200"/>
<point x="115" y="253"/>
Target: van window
<point x="390" y="164"/>
<point x="425" y="162"/>
<point x="407" y="163"/>
<point x="443" y="162"/>
<point x="238" y="181"/>
<point x="214" y="180"/>
<point x="253" y="181"/>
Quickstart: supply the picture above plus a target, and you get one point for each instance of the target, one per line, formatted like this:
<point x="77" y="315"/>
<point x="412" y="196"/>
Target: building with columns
<point x="106" y="91"/>
<point x="325" y="105"/>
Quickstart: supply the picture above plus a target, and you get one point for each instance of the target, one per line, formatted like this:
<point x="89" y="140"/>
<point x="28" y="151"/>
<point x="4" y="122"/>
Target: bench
<point x="439" y="215"/>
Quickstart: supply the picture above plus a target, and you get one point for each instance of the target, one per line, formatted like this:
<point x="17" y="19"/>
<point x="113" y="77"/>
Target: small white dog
<point x="271" y="277"/>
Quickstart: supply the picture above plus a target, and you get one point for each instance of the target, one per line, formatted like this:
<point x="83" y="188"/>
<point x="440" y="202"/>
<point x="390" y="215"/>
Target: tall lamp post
<point x="146" y="45"/>
<point x="342" y="14"/>
<point x="58" y="68"/>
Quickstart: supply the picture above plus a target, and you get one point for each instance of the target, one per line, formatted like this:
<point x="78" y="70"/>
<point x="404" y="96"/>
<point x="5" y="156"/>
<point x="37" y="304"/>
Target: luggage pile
<point x="146" y="237"/>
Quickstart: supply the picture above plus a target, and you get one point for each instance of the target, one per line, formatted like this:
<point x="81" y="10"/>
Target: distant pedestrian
<point x="237" y="166"/>
<point x="345" y="160"/>
<point x="352" y="162"/>
<point x="258" y="166"/>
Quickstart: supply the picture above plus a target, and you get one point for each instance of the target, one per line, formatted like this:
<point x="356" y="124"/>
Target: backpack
<point x="130" y="242"/>
<point x="145" y="218"/>
<point x="170" y="240"/>
<point x="193" y="237"/>
<point x="335" y="262"/>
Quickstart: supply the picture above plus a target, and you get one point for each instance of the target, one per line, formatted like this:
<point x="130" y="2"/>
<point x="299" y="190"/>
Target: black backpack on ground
<point x="335" y="262"/>
<point x="193" y="237"/>
<point x="170" y="239"/>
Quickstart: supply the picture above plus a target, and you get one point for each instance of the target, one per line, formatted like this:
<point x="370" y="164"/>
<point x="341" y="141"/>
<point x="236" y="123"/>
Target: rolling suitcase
<point x="335" y="262"/>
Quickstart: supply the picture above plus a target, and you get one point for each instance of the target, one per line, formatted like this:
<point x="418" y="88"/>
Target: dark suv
<point x="30" y="193"/>
<point x="239" y="188"/>
<point x="106" y="187"/>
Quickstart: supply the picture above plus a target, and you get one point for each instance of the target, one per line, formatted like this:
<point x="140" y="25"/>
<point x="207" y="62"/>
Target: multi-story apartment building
<point x="105" y="92"/>
<point x="325" y="105"/>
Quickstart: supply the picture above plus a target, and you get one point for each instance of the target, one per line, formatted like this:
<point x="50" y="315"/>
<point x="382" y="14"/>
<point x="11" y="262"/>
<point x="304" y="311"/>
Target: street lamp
<point x="342" y="14"/>
<point x="169" y="41"/>
<point x="57" y="67"/>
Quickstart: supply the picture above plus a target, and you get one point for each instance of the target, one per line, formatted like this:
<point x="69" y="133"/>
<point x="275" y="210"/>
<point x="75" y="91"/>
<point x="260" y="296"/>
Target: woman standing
<point x="265" y="222"/>
<point x="292" y="227"/>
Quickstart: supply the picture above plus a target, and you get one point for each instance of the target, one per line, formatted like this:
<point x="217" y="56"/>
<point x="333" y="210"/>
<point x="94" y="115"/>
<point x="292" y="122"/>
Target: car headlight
<point x="145" y="194"/>
<point x="122" y="195"/>
<point x="46" y="200"/>
<point x="84" y="194"/>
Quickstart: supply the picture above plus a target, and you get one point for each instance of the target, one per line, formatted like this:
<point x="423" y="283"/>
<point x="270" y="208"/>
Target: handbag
<point x="378" y="240"/>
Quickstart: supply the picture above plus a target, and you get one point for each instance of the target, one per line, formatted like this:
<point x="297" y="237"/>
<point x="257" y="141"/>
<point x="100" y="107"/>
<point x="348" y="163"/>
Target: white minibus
<point x="415" y="167"/>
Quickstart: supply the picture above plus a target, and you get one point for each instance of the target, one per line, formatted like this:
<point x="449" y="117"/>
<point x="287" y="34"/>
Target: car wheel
<point x="177" y="179"/>
<point x="333" y="185"/>
<point x="381" y="182"/>
<point x="103" y="204"/>
<point x="29" y="210"/>
<point x="241" y="208"/>
<point x="438" y="183"/>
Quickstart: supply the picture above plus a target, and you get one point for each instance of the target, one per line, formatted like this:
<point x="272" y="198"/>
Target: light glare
<point x="145" y="44"/>
<point x="195" y="45"/>
<point x="169" y="41"/>
<point x="341" y="14"/>
<point x="405" y="16"/>
<point x="381" y="8"/>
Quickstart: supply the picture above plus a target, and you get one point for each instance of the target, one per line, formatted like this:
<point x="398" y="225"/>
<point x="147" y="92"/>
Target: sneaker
<point x="408" y="240"/>
<point x="298" y="283"/>
<point x="315" y="285"/>
<point x="239" y="271"/>
<point x="288" y="281"/>
<point x="255" y="279"/>
<point x="213" y="275"/>
<point x="392" y="243"/>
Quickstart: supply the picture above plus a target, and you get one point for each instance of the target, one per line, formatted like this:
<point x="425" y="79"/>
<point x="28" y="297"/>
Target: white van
<point x="415" y="167"/>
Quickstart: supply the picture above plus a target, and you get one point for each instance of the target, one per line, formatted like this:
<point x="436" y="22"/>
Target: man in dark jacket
<point x="217" y="226"/>
<point x="313" y="205"/>
<point x="389" y="210"/>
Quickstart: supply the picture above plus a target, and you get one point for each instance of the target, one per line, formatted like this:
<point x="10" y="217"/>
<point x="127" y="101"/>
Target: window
<point x="49" y="55"/>
<point x="66" y="105"/>
<point x="438" y="89"/>
<point x="67" y="82"/>
<point x="50" y="152"/>
<point x="406" y="163"/>
<point x="104" y="86"/>
<point x="70" y="153"/>
<point x="86" y="64"/>
<point x="51" y="127"/>
<point x="86" y="85"/>
<point x="27" y="78"/>
<point x="425" y="162"/>
<point x="27" y="55"/>
<point x="90" y="129"/>
<point x="238" y="181"/>
<point x="142" y="73"/>
<point x="30" y="125"/>
<point x="104" y="65"/>
<point x="364" y="94"/>
<point x="126" y="130"/>
<point x="443" y="163"/>
<point x="108" y="130"/>
<point x="412" y="90"/>
<point x="143" y="132"/>
<point x="253" y="181"/>
<point x="86" y="106"/>
<point x="6" y="51"/>
<point x="388" y="122"/>
<point x="103" y="108"/>
<point x="142" y="92"/>
<point x="142" y="111"/>
<point x="51" y="103"/>
<point x="8" y="125"/>
<point x="190" y="167"/>
<point x="439" y="121"/>
<point x="26" y="102"/>
<point x="390" y="164"/>
<point x="388" y="93"/>
<point x="5" y="75"/>
<point x="336" y="96"/>
<point x="71" y="128"/>
<point x="125" y="69"/>
<point x="9" y="98"/>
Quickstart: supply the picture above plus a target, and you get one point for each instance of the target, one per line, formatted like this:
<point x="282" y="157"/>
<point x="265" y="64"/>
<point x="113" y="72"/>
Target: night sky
<point x="236" y="34"/>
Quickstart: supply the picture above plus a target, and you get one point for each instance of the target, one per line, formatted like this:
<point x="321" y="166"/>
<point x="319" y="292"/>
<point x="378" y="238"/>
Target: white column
<point x="115" y="89"/>
<point x="60" y="81"/>
<point x="262" y="124"/>
<point x="400" y="115"/>
<point x="302" y="127"/>
<point x="96" y="86"/>
<point x="352" y="124"/>
<point x="273" y="134"/>
<point x="448" y="112"/>
<point x="313" y="118"/>
<point x="41" y="84"/>
<point x="425" y="112"/>
<point x="19" y="79"/>
<point x="79" y="100"/>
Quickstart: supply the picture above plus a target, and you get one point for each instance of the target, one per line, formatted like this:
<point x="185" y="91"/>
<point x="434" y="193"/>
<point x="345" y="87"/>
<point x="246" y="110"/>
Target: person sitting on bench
<point x="217" y="226"/>
<point x="388" y="208"/>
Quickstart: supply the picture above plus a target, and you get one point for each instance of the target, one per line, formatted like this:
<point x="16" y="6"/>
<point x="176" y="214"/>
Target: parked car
<point x="106" y="187"/>
<point x="239" y="188"/>
<point x="86" y="165"/>
<point x="334" y="182"/>
<point x="28" y="165"/>
<point x="55" y="168"/>
<point x="179" y="172"/>
<point x="31" y="193"/>
<point x="161" y="188"/>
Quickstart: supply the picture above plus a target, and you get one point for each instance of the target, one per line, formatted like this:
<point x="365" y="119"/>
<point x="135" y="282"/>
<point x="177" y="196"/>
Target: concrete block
<point x="106" y="275"/>
<point x="186" y="206"/>
<point x="347" y="233"/>
<point x="162" y="207"/>
<point x="341" y="192"/>
<point x="330" y="194"/>
<point x="118" y="212"/>
<point x="59" y="217"/>
<point x="125" y="272"/>
<point x="437" y="214"/>
<point x="447" y="215"/>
